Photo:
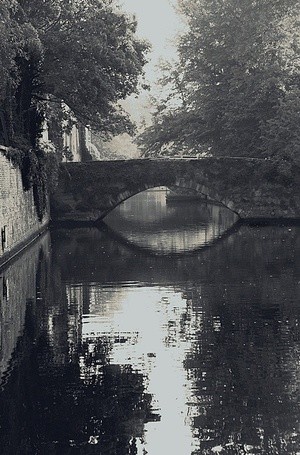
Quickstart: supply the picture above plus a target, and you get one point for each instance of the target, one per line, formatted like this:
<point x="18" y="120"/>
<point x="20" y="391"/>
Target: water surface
<point x="150" y="221"/>
<point x="109" y="347"/>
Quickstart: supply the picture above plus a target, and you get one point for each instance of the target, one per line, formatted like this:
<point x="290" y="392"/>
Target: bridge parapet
<point x="253" y="188"/>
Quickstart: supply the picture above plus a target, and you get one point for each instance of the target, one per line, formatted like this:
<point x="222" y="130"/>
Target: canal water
<point x="166" y="331"/>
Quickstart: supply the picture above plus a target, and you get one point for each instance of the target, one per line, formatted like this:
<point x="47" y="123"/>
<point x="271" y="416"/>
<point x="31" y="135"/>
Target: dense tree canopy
<point x="63" y="62"/>
<point x="84" y="54"/>
<point x="237" y="81"/>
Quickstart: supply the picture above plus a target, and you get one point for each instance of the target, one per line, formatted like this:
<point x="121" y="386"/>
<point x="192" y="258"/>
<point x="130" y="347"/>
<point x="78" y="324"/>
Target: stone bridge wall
<point x="252" y="188"/>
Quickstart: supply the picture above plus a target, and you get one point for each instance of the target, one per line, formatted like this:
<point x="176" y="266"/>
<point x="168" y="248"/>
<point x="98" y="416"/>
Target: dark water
<point x="109" y="346"/>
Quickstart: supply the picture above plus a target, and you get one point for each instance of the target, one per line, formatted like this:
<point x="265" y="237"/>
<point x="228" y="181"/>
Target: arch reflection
<point x="155" y="222"/>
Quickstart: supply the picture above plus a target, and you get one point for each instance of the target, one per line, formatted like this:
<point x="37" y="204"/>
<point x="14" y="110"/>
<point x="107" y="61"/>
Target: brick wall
<point x="18" y="218"/>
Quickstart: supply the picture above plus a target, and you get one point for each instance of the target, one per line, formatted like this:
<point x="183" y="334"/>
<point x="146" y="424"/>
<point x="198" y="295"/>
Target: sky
<point x="159" y="23"/>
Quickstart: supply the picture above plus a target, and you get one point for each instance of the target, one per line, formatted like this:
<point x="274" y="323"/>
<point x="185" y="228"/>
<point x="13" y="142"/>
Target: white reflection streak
<point x="144" y="315"/>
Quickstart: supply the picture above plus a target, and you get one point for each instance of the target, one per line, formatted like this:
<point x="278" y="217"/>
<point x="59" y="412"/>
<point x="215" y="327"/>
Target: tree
<point x="18" y="50"/>
<point x="92" y="60"/>
<point x="83" y="54"/>
<point x="58" y="53"/>
<point x="236" y="76"/>
<point x="6" y="49"/>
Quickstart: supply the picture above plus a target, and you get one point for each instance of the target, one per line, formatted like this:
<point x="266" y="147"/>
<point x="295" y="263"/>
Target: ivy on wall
<point x="39" y="171"/>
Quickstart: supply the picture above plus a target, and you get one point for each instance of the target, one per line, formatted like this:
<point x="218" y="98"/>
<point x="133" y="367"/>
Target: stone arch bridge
<point x="252" y="188"/>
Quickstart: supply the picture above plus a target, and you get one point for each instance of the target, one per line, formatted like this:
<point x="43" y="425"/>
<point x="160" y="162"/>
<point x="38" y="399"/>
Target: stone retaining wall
<point x="19" y="223"/>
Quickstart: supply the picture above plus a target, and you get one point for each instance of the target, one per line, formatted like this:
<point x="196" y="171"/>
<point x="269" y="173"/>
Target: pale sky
<point x="159" y="23"/>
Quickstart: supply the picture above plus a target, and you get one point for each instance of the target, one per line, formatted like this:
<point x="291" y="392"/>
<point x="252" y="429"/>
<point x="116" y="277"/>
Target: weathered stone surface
<point x="18" y="218"/>
<point x="253" y="188"/>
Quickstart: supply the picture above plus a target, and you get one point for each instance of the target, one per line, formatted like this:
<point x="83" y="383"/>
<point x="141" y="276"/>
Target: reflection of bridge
<point x="159" y="249"/>
<point x="250" y="187"/>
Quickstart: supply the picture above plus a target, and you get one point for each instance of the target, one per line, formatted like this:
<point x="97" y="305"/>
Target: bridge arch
<point x="89" y="191"/>
<point x="179" y="183"/>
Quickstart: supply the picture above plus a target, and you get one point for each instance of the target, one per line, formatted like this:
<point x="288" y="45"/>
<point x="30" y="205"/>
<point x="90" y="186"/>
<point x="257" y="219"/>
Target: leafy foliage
<point x="92" y="58"/>
<point x="237" y="80"/>
<point x="84" y="54"/>
<point x="56" y="53"/>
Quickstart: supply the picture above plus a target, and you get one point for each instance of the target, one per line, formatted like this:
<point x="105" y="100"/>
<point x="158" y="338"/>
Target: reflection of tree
<point x="79" y="404"/>
<point x="242" y="319"/>
<point x="108" y="411"/>
<point x="244" y="361"/>
<point x="121" y="406"/>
